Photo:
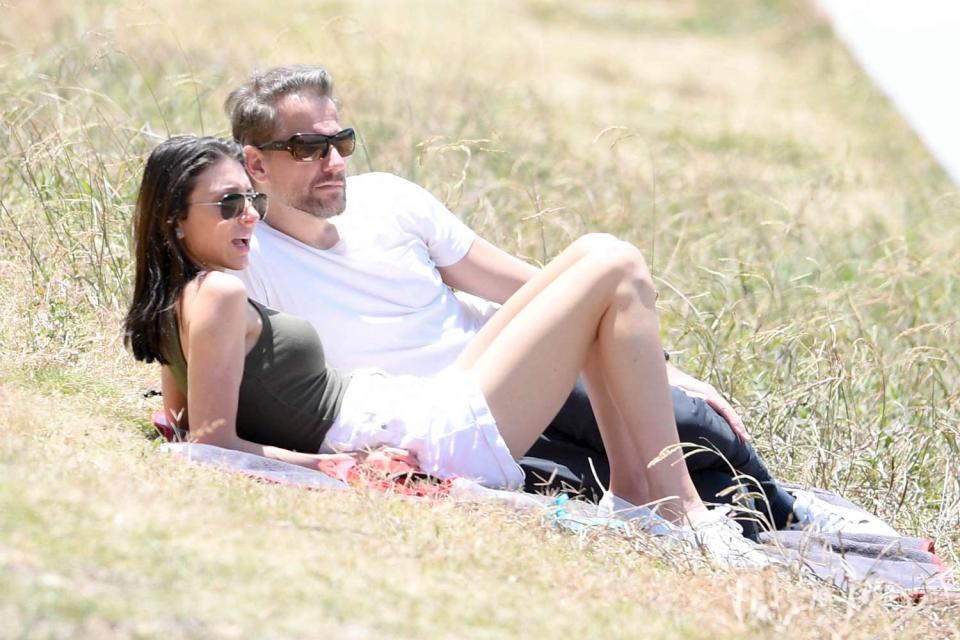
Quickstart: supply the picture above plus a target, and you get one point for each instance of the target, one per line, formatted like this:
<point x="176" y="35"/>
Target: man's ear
<point x="253" y="158"/>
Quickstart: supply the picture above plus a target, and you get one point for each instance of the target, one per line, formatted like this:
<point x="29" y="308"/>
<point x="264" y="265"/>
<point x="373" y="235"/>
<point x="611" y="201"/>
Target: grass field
<point x="800" y="233"/>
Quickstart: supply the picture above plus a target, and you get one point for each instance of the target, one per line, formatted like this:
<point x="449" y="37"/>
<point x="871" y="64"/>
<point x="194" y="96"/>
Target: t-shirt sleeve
<point x="447" y="238"/>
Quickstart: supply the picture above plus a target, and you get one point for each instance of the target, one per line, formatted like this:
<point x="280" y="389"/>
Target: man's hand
<point x="711" y="396"/>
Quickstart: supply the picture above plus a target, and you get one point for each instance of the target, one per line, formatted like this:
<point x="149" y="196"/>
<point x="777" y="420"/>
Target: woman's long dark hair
<point x="163" y="267"/>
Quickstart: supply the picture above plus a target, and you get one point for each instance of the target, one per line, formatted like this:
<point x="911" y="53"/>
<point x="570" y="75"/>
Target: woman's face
<point x="209" y="240"/>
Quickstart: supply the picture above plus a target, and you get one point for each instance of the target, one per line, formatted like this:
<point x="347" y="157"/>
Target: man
<point x="370" y="260"/>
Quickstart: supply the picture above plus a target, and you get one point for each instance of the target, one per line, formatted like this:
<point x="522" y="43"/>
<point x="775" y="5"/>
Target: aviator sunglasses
<point x="307" y="147"/>
<point x="233" y="205"/>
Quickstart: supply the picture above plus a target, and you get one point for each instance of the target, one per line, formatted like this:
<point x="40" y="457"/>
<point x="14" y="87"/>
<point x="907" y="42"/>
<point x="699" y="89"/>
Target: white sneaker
<point x="818" y="515"/>
<point x="721" y="539"/>
<point x="716" y="536"/>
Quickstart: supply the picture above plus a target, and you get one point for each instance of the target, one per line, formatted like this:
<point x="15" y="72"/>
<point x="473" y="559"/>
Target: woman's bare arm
<point x="174" y="402"/>
<point x="216" y="323"/>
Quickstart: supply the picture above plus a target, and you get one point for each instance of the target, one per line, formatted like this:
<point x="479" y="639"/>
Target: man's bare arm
<point x="488" y="272"/>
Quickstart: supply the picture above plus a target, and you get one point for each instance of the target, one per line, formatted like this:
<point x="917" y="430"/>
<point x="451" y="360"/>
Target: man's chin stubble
<point x="329" y="211"/>
<point x="322" y="210"/>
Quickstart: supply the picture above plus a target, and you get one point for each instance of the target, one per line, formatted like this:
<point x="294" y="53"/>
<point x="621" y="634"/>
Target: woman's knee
<point x="607" y="246"/>
<point x="593" y="243"/>
<point x="634" y="274"/>
<point x="617" y="262"/>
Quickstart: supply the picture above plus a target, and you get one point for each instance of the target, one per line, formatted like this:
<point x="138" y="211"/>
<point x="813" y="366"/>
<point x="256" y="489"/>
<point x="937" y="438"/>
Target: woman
<point x="256" y="379"/>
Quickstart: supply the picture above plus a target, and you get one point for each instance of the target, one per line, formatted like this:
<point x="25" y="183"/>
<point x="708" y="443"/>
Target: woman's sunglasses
<point x="307" y="147"/>
<point x="233" y="205"/>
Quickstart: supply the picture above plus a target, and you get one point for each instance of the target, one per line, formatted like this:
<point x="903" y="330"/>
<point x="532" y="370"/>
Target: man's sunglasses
<point x="307" y="147"/>
<point x="233" y="205"/>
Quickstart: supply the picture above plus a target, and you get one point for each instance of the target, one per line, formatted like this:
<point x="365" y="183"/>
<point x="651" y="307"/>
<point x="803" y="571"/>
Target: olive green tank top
<point x="288" y="396"/>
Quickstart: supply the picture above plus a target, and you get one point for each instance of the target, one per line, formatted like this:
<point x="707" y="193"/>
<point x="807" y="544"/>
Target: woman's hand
<point x="386" y="460"/>
<point x="335" y="465"/>
<point x="711" y="396"/>
<point x="387" y="455"/>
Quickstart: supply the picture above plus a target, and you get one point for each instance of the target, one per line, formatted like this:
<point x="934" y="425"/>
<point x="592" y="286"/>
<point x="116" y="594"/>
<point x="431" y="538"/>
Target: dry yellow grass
<point x="804" y="239"/>
<point x="103" y="535"/>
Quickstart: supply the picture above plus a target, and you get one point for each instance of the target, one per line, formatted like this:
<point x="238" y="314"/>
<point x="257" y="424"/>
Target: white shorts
<point x="444" y="420"/>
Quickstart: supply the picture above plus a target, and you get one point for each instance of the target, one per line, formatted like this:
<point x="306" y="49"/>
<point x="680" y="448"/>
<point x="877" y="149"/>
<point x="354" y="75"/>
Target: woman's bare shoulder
<point x="213" y="293"/>
<point x="215" y="287"/>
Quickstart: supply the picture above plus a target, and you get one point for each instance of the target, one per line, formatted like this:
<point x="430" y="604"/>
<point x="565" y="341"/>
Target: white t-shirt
<point x="376" y="297"/>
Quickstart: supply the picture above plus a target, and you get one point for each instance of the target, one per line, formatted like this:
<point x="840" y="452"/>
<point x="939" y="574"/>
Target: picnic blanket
<point x="908" y="565"/>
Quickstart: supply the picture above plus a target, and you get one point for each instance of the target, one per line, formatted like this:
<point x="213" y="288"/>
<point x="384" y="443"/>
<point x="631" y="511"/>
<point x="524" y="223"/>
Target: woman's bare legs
<point x="629" y="472"/>
<point x="596" y="302"/>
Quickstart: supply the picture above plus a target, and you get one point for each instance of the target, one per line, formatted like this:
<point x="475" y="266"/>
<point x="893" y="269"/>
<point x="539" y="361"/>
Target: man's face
<point x="315" y="187"/>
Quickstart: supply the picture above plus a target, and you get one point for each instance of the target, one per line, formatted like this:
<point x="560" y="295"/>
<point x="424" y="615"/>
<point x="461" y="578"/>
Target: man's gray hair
<point x="252" y="107"/>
